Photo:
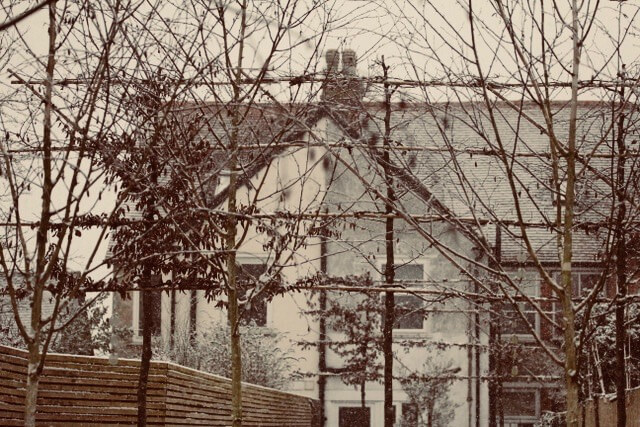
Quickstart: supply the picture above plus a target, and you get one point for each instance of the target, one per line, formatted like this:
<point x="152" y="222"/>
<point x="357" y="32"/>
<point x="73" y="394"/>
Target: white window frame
<point x="376" y="408"/>
<point x="252" y="259"/>
<point x="556" y="308"/>
<point x="579" y="272"/>
<point x="222" y="180"/>
<point x="356" y="405"/>
<point x="408" y="261"/>
<point x="526" y="337"/>
<point x="524" y="387"/>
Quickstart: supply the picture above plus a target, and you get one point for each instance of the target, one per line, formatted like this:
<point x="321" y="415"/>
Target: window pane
<point x="409" y="272"/>
<point x="251" y="272"/>
<point x="587" y="282"/>
<point x="582" y="282"/>
<point x="354" y="417"/>
<point x="575" y="281"/>
<point x="552" y="400"/>
<point x="519" y="403"/>
<point x="513" y="322"/>
<point x="408" y="312"/>
<point x="248" y="275"/>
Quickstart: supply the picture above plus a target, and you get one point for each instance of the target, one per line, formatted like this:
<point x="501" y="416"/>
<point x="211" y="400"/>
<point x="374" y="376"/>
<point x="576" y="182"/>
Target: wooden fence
<point x="84" y="390"/>
<point x="602" y="412"/>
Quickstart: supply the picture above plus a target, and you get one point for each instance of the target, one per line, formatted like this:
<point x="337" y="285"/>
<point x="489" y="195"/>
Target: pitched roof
<point x="446" y="154"/>
<point x="452" y="149"/>
<point x="196" y="148"/>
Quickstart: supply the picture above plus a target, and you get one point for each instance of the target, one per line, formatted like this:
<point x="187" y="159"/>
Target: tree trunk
<point x="621" y="273"/>
<point x="233" y="309"/>
<point x="389" y="274"/>
<point x="145" y="360"/>
<point x="387" y="335"/>
<point x="33" y="380"/>
<point x="499" y="405"/>
<point x="571" y="363"/>
<point x="236" y="359"/>
<point x="34" y="366"/>
<point x="363" y="393"/>
<point x="570" y="366"/>
<point x="231" y="231"/>
<point x="145" y="292"/>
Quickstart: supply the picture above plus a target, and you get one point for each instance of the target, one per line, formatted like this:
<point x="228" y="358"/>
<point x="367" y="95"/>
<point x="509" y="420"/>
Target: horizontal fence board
<point x="86" y="390"/>
<point x="606" y="416"/>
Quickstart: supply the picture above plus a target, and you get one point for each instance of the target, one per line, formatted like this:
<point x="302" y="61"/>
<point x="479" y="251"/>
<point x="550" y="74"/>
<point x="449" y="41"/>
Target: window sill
<point x="520" y="338"/>
<point x="409" y="333"/>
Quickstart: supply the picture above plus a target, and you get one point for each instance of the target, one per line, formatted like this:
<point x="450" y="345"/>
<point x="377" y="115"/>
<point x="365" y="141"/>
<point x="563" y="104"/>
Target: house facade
<point x="356" y="251"/>
<point x="457" y="220"/>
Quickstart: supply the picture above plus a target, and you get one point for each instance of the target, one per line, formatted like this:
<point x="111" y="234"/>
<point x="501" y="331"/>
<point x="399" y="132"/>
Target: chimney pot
<point x="333" y="58"/>
<point x="349" y="62"/>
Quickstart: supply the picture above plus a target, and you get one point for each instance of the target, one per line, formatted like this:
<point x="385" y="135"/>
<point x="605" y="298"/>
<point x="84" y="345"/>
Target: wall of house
<point x="293" y="182"/>
<point x="446" y="331"/>
<point x="298" y="181"/>
<point x="7" y="320"/>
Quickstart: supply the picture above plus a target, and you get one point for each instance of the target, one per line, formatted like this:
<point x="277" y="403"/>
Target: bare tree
<point x="53" y="176"/>
<point x="17" y="18"/>
<point x="198" y="139"/>
<point x="356" y="319"/>
<point x="500" y="76"/>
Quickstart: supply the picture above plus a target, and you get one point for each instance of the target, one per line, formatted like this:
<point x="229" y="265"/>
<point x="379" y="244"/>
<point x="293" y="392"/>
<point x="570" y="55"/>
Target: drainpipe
<point x="477" y="351"/>
<point x="473" y="361"/>
<point x="172" y="314"/>
<point x="172" y="321"/>
<point x="322" y="348"/>
<point x="469" y="374"/>
<point x="493" y="339"/>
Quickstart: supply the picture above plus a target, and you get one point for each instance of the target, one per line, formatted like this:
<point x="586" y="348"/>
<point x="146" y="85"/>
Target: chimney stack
<point x="342" y="85"/>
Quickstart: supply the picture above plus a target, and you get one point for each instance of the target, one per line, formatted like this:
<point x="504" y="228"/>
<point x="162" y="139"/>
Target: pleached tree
<point x="519" y="161"/>
<point x="54" y="221"/>
<point x="197" y="155"/>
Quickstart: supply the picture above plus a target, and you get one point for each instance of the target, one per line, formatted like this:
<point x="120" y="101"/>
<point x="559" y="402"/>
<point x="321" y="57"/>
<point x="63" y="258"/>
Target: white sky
<point x="409" y="33"/>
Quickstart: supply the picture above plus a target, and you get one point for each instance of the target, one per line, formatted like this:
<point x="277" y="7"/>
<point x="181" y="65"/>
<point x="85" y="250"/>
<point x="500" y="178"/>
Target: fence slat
<point x="84" y="390"/>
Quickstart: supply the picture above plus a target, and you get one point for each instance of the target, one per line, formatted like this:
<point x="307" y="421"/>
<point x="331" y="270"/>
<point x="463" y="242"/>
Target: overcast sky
<point x="419" y="39"/>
